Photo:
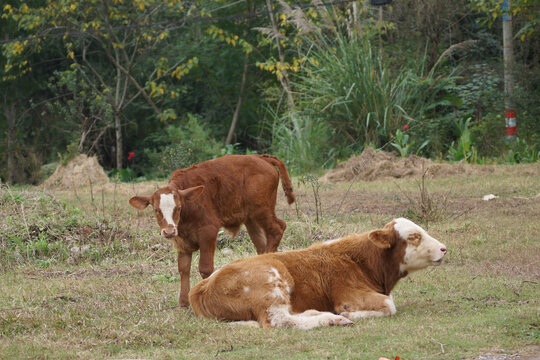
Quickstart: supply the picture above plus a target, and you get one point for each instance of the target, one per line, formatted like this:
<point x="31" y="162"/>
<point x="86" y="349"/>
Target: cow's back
<point x="234" y="185"/>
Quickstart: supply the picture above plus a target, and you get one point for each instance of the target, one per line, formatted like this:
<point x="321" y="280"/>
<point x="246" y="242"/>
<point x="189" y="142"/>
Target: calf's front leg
<point x="184" y="268"/>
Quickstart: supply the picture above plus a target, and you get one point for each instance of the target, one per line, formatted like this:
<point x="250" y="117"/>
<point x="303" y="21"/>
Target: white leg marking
<point x="249" y="323"/>
<point x="355" y="315"/>
<point x="280" y="316"/>
<point x="391" y="306"/>
<point x="167" y="205"/>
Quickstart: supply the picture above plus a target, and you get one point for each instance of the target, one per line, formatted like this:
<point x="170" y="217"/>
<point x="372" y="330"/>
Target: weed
<point x="315" y="185"/>
<point x="425" y="209"/>
<point x="404" y="146"/>
<point x="464" y="149"/>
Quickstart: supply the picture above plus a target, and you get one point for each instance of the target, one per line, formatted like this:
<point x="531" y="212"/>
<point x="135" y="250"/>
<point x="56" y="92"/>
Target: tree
<point x="108" y="44"/>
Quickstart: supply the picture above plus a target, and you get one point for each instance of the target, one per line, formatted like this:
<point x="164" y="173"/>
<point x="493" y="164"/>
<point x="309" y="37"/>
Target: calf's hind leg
<point x="274" y="229"/>
<point x="256" y="233"/>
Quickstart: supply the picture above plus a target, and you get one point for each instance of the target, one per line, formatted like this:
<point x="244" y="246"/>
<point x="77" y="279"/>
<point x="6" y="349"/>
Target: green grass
<point x="118" y="300"/>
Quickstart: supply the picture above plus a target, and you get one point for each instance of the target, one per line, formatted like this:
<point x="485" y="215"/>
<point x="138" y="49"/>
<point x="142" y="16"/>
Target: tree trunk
<point x="508" y="46"/>
<point x="119" y="142"/>
<point x="239" y="103"/>
<point x="283" y="78"/>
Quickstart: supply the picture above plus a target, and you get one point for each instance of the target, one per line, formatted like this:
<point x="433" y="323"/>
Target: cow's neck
<point x="381" y="266"/>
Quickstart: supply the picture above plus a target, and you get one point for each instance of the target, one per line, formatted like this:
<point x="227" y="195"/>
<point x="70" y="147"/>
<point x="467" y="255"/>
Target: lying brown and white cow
<point x="225" y="192"/>
<point x="330" y="283"/>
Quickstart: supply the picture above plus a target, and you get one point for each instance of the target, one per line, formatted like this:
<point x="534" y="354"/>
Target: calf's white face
<point x="422" y="249"/>
<point x="168" y="209"/>
<point x="167" y="204"/>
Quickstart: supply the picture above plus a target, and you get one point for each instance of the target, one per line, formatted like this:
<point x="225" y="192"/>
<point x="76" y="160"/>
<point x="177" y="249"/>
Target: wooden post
<point x="510" y="112"/>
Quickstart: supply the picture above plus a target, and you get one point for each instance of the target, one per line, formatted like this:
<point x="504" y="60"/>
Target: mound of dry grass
<point x="82" y="170"/>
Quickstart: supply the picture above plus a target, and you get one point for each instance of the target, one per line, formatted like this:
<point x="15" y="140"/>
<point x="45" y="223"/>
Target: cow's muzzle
<point x="169" y="232"/>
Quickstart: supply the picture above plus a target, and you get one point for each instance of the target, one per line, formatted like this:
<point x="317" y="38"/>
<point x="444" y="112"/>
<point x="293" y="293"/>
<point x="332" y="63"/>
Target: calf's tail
<point x="283" y="173"/>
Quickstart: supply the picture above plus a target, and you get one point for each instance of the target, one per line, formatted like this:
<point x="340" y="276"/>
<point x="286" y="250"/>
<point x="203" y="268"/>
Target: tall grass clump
<point x="347" y="86"/>
<point x="303" y="143"/>
<point x="349" y="96"/>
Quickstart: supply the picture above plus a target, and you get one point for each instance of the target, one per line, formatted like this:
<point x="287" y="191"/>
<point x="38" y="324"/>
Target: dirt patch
<point x="372" y="165"/>
<point x="82" y="170"/>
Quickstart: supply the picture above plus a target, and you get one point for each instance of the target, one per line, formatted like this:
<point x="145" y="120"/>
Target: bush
<point x="178" y="147"/>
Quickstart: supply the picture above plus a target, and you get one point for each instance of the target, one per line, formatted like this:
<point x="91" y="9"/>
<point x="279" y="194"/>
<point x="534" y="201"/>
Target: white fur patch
<point x="280" y="316"/>
<point x="274" y="275"/>
<point x="391" y="305"/>
<point x="405" y="227"/>
<point x="277" y="293"/>
<point x="167" y="205"/>
<point x="249" y="323"/>
<point x="214" y="273"/>
<point x="246" y="289"/>
<point x="355" y="315"/>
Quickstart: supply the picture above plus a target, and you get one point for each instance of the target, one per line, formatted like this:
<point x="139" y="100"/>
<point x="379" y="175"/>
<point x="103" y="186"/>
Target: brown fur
<point x="224" y="192"/>
<point x="355" y="273"/>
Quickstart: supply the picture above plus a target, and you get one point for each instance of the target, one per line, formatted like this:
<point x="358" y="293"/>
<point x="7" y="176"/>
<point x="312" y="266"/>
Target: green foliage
<point x="123" y="175"/>
<point x="180" y="146"/>
<point x="519" y="151"/>
<point x="463" y="150"/>
<point x="71" y="152"/>
<point x="98" y="74"/>
<point x="404" y="146"/>
<point x="302" y="142"/>
<point x="493" y="10"/>
<point x="347" y="86"/>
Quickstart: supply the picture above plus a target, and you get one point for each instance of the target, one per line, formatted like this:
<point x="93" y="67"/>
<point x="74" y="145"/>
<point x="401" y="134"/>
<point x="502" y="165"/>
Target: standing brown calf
<point x="224" y="192"/>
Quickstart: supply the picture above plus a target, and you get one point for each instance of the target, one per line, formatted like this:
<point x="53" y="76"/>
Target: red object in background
<point x="131" y="155"/>
<point x="406" y="127"/>
<point x="511" y="129"/>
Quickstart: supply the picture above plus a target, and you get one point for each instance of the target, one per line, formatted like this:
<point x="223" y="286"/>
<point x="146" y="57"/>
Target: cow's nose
<point x="443" y="250"/>
<point x="167" y="233"/>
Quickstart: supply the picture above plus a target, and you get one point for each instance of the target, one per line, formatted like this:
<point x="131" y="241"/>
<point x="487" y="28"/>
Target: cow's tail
<point x="283" y="173"/>
<point x="196" y="299"/>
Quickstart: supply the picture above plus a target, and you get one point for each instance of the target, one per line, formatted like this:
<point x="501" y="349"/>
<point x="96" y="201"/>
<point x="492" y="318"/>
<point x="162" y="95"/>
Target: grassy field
<point x="84" y="275"/>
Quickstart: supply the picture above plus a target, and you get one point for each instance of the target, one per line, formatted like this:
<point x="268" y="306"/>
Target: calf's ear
<point x="139" y="202"/>
<point x="381" y="238"/>
<point x="191" y="193"/>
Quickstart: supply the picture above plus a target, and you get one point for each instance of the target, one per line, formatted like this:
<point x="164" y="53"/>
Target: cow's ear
<point x="191" y="193"/>
<point x="381" y="238"/>
<point x="139" y="202"/>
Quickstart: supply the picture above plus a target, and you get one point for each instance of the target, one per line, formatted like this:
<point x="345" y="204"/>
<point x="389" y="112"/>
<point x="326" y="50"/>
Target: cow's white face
<point x="167" y="203"/>
<point x="422" y="249"/>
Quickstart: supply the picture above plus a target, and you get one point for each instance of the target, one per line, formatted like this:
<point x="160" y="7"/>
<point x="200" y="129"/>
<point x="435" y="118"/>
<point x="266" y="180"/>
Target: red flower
<point x="131" y="155"/>
<point x="406" y="127"/>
